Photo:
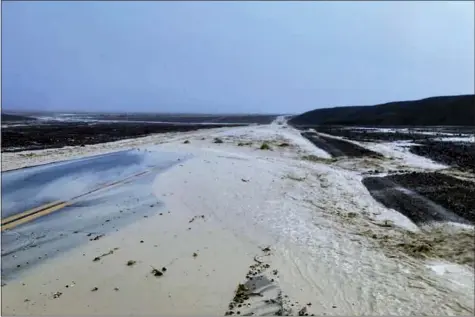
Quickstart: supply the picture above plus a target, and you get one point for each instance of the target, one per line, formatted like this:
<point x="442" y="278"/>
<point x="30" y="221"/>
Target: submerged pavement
<point x="51" y="208"/>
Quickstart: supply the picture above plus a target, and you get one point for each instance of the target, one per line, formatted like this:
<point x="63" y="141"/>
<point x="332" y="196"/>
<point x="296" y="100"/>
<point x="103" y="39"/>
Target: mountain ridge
<point x="456" y="110"/>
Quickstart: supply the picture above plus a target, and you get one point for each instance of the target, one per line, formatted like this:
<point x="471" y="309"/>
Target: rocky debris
<point x="155" y="272"/>
<point x="57" y="294"/>
<point x="265" y="146"/>
<point x="104" y="254"/>
<point x="266" y="249"/>
<point x="218" y="140"/>
<point x="303" y="312"/>
<point x="259" y="295"/>
<point x="96" y="237"/>
<point x="242" y="294"/>
<point x="186" y="142"/>
<point x="256" y="268"/>
<point x="131" y="262"/>
<point x="196" y="217"/>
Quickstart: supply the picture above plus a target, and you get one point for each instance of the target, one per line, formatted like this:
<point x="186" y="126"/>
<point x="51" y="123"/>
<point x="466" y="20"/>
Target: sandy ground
<point x="233" y="211"/>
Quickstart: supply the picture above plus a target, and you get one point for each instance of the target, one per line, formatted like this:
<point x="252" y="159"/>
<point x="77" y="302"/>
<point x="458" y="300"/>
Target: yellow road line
<point x="41" y="213"/>
<point x="122" y="181"/>
<point x="31" y="211"/>
<point x="26" y="216"/>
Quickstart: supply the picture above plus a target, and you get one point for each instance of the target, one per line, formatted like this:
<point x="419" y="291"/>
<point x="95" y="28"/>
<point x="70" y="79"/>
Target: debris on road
<point x="57" y="294"/>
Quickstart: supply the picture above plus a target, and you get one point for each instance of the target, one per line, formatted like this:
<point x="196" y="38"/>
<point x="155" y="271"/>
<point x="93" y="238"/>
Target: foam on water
<point x="457" y="274"/>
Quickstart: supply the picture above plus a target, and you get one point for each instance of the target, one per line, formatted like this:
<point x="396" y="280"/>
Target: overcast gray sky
<point x="260" y="57"/>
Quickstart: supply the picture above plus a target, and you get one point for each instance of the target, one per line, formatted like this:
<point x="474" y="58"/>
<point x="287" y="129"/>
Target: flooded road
<point x="51" y="208"/>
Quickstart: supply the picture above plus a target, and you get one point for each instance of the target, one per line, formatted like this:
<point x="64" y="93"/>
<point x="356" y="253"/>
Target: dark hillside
<point x="444" y="110"/>
<point x="14" y="117"/>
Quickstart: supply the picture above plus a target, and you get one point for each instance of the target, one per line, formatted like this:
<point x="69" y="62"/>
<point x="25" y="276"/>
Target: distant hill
<point x="444" y="110"/>
<point x="14" y="117"/>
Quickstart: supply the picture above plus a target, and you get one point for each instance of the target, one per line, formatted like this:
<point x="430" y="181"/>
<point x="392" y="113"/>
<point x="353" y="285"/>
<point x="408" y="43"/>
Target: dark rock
<point x="156" y="272"/>
<point x="131" y="262"/>
<point x="60" y="134"/>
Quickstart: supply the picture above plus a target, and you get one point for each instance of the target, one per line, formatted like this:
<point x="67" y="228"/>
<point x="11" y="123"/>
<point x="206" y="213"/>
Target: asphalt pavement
<point x="51" y="208"/>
